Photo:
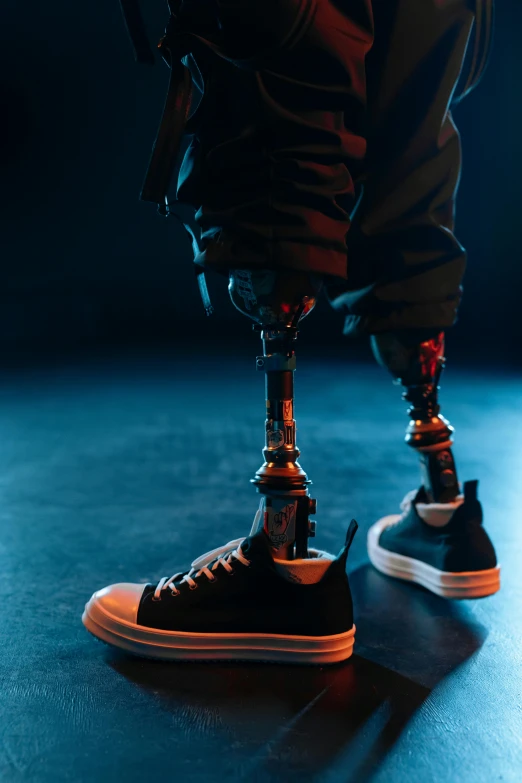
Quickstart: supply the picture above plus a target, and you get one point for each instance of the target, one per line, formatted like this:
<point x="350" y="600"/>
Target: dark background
<point x="84" y="263"/>
<point x="121" y="467"/>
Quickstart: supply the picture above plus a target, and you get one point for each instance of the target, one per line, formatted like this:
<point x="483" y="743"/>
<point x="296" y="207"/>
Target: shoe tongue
<point x="421" y="496"/>
<point x="257" y="548"/>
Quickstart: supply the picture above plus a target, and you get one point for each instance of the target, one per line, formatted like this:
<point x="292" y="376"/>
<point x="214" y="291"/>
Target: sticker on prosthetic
<point x="275" y="439"/>
<point x="439" y="474"/>
<point x="279" y="521"/>
<point x="280" y="433"/>
<point x="288" y="410"/>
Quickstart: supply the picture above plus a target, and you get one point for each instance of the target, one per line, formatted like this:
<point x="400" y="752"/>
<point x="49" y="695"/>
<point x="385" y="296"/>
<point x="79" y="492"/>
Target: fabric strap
<point x="170" y="134"/>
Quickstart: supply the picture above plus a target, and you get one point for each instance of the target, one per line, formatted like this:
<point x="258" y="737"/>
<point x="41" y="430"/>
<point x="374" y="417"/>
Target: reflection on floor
<point x="128" y="471"/>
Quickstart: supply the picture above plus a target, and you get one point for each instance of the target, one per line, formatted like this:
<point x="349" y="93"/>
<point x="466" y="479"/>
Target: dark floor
<point x="127" y="471"/>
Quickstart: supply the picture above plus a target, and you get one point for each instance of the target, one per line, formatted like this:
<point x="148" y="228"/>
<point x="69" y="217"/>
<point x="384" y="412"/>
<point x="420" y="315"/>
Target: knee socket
<point x="274" y="297"/>
<point x="414" y="358"/>
<point x="416" y="361"/>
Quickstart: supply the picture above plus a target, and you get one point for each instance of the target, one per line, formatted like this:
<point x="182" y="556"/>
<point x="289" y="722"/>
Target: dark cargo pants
<point x="350" y="102"/>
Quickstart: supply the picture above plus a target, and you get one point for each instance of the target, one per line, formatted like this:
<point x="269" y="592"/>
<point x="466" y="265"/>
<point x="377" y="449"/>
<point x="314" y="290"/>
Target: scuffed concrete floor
<point x="125" y="471"/>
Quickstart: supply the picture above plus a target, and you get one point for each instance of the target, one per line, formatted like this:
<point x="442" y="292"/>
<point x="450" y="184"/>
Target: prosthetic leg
<point x="439" y="540"/>
<point x="277" y="301"/>
<point x="285" y="603"/>
<point x="417" y="365"/>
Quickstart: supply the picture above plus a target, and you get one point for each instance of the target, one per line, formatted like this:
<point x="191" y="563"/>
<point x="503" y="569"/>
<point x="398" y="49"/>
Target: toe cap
<point x="120" y="601"/>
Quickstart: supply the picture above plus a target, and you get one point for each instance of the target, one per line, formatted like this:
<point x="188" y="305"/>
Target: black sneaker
<point x="236" y="603"/>
<point x="441" y="546"/>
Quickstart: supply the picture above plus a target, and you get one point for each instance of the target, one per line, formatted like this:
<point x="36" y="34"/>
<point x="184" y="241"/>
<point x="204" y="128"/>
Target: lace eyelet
<point x="156" y="600"/>
<point x="193" y="587"/>
<point x="214" y="579"/>
<point x="175" y="593"/>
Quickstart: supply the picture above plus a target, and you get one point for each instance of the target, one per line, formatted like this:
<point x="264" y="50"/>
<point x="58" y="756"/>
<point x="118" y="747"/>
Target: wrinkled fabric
<point x="315" y="105"/>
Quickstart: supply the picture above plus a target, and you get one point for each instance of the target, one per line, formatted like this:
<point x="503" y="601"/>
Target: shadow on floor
<point x="410" y="631"/>
<point x="319" y="723"/>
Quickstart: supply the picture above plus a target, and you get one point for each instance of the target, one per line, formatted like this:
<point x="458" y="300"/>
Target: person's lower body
<point x="438" y="541"/>
<point x="402" y="288"/>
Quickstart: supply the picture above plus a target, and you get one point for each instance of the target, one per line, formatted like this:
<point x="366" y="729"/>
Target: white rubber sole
<point x="183" y="646"/>
<point x="469" y="584"/>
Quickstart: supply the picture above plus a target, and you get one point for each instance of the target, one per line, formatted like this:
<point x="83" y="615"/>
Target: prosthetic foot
<point x="438" y="541"/>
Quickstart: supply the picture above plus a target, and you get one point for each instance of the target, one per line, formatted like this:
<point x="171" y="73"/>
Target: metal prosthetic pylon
<point x="430" y="433"/>
<point x="286" y="505"/>
<point x="417" y="365"/>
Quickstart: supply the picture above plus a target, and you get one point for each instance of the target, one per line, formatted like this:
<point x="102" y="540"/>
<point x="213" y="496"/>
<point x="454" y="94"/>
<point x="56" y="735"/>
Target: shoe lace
<point x="205" y="564"/>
